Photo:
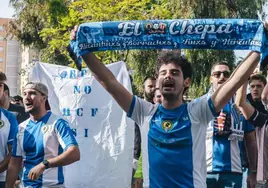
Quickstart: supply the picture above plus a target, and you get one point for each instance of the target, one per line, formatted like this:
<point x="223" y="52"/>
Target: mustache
<point x="168" y="81"/>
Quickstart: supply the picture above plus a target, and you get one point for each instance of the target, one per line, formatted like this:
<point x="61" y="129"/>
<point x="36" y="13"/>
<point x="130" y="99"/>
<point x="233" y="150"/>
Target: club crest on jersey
<point x="167" y="125"/>
<point x="2" y="124"/>
<point x="46" y="129"/>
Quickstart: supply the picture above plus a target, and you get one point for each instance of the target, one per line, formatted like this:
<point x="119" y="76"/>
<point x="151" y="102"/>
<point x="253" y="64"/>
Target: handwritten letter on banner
<point x="103" y="132"/>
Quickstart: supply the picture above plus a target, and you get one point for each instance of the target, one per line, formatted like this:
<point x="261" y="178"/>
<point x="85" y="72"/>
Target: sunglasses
<point x="217" y="74"/>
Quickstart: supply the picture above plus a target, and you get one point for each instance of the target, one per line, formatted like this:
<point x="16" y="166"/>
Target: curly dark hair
<point x="175" y="57"/>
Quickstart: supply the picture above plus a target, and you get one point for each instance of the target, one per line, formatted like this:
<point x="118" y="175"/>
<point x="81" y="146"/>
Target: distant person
<point x="257" y="82"/>
<point x="157" y="96"/>
<point x="17" y="100"/>
<point x="259" y="120"/>
<point x="17" y="110"/>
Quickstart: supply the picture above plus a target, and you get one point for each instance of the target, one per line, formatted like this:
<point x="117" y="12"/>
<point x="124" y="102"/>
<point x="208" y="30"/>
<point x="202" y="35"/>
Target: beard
<point x="31" y="110"/>
<point x="172" y="96"/>
<point x="149" y="96"/>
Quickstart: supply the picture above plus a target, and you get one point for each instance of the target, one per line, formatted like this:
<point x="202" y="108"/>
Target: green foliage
<point x="46" y="24"/>
<point x="142" y="62"/>
<point x="198" y="89"/>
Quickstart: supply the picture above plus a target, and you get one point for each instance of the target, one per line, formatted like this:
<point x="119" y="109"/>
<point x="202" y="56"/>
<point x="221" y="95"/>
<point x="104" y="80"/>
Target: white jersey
<point x="39" y="140"/>
<point x="173" y="142"/>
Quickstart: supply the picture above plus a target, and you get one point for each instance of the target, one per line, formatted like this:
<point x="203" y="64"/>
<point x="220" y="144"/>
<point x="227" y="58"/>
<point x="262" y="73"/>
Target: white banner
<point x="104" y="133"/>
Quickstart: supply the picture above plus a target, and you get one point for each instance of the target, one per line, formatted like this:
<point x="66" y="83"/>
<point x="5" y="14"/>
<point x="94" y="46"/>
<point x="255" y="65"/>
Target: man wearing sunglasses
<point x="225" y="134"/>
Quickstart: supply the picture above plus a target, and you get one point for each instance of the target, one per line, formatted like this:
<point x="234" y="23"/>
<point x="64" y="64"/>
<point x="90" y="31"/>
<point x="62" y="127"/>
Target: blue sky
<point x="5" y="10"/>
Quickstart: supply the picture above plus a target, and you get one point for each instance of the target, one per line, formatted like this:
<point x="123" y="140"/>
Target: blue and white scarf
<point x="220" y="34"/>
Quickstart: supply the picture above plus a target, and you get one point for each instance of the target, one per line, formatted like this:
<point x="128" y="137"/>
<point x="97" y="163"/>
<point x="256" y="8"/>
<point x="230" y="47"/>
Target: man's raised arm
<point x="241" y="101"/>
<point x="106" y="78"/>
<point x="108" y="81"/>
<point x="240" y="75"/>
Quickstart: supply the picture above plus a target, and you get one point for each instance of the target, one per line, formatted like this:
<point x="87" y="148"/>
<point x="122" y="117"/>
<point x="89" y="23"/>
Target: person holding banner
<point x="45" y="143"/>
<point x="225" y="134"/>
<point x="173" y="133"/>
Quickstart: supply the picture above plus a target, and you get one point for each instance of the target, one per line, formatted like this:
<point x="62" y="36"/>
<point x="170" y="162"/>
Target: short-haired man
<point x="259" y="120"/>
<point x="157" y="96"/>
<point x="6" y="103"/>
<point x="8" y="129"/>
<point x="149" y="88"/>
<point x="18" y="100"/>
<point x="256" y="83"/>
<point x="45" y="143"/>
<point x="225" y="134"/>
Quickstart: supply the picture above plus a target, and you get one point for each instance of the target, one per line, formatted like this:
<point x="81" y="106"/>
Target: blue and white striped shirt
<point x="39" y="140"/>
<point x="223" y="151"/>
<point x="8" y="129"/>
<point x="173" y="142"/>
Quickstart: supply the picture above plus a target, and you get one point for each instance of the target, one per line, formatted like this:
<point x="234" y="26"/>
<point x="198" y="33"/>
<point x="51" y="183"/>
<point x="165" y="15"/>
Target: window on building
<point x="1" y="28"/>
<point x="1" y="60"/>
<point x="1" y="48"/>
<point x="1" y="38"/>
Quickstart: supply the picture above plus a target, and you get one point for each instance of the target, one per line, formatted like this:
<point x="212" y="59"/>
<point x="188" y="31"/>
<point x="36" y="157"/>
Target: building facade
<point x="10" y="58"/>
<point x="29" y="57"/>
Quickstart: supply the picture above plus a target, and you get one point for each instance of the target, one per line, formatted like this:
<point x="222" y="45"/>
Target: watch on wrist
<point x="46" y="163"/>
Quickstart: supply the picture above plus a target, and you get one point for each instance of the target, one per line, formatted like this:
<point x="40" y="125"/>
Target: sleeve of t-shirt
<point x="65" y="134"/>
<point x="139" y="109"/>
<point x="247" y="126"/>
<point x="13" y="128"/>
<point x="16" y="147"/>
<point x="258" y="119"/>
<point x="202" y="110"/>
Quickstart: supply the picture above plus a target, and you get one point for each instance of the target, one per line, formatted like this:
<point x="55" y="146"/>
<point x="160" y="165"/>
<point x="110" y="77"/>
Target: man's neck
<point x="256" y="100"/>
<point x="38" y="115"/>
<point x="172" y="104"/>
<point x="149" y="100"/>
<point x="5" y="104"/>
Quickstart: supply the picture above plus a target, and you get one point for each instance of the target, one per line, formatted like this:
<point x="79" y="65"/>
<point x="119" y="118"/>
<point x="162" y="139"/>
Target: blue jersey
<point x="8" y="129"/>
<point x="39" y="140"/>
<point x="173" y="142"/>
<point x="224" y="141"/>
